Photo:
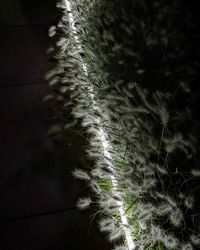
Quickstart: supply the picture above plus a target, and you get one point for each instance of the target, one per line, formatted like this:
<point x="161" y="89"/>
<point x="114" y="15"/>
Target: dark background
<point x="37" y="191"/>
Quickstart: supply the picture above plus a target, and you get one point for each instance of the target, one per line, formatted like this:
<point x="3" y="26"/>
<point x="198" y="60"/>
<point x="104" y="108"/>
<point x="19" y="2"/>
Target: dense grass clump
<point x="141" y="89"/>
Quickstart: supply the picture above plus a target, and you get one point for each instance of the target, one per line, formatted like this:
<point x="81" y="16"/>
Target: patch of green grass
<point x="154" y="246"/>
<point x="129" y="202"/>
<point x="120" y="164"/>
<point x="105" y="185"/>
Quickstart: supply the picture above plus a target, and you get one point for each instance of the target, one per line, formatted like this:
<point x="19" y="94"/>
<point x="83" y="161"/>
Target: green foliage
<point x="154" y="246"/>
<point x="105" y="185"/>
